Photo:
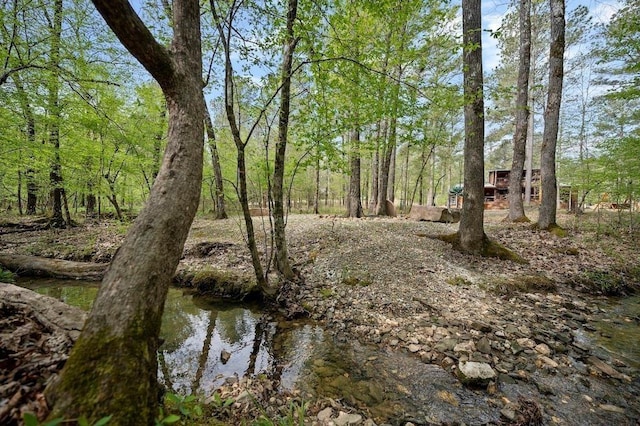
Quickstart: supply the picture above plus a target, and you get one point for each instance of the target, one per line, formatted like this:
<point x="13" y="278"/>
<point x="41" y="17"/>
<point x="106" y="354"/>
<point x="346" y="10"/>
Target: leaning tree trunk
<point x="471" y="229"/>
<point x="516" y="206"/>
<point x="548" y="205"/>
<point x="282" y="256"/>
<point x="112" y="368"/>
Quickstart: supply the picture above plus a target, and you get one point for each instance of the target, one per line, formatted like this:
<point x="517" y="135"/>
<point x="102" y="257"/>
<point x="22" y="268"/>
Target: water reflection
<point x="206" y="343"/>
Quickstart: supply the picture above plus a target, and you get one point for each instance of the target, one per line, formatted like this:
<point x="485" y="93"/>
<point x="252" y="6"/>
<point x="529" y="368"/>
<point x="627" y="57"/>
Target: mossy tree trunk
<point x="112" y="368"/>
<point x="471" y="231"/>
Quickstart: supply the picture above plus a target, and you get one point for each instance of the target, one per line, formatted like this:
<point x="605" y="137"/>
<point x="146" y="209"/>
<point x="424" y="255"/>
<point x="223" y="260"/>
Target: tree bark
<point x="516" y="206"/>
<point x="221" y="209"/>
<point x="383" y="176"/>
<point x="112" y="368"/>
<point x="355" y="203"/>
<point x="53" y="88"/>
<point x="548" y="205"/>
<point x="471" y="231"/>
<point x="54" y="268"/>
<point x="282" y="256"/>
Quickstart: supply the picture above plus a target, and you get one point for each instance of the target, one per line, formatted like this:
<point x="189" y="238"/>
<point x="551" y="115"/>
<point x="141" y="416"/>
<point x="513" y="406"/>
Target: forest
<point x="281" y="153"/>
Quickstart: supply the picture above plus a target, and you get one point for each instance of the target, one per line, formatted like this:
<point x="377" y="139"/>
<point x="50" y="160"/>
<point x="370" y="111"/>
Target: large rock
<point x="475" y="373"/>
<point x="434" y="214"/>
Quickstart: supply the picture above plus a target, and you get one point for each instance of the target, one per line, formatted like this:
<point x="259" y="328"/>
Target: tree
<point x="221" y="209"/>
<point x="471" y="231"/>
<point x="113" y="365"/>
<point x="516" y="207"/>
<point x="548" y="205"/>
<point x="282" y="257"/>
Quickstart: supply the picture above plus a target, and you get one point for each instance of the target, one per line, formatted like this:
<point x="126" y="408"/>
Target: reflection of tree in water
<point x="204" y="355"/>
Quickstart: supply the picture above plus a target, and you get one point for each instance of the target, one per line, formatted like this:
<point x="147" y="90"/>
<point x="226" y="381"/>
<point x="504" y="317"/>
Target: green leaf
<point x="82" y="421"/>
<point x="173" y="398"/>
<point x="54" y="422"/>
<point x="103" y="421"/>
<point x="30" y="419"/>
<point x="170" y="419"/>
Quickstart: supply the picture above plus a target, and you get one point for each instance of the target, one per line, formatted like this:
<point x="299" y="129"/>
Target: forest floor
<point x="388" y="283"/>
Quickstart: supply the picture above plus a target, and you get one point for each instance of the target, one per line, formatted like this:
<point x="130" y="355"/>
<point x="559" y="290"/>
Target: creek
<point x="207" y="343"/>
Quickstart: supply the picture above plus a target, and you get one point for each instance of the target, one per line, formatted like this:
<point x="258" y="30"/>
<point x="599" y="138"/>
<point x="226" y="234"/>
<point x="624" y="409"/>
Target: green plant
<point x="188" y="406"/>
<point x="458" y="281"/>
<point x="6" y="276"/>
<point x="218" y="402"/>
<point x="294" y="416"/>
<point x="31" y="420"/>
<point x="325" y="292"/>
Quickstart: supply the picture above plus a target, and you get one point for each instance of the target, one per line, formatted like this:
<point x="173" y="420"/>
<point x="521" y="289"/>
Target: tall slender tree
<point x="282" y="257"/>
<point x="548" y="205"/>
<point x="516" y="207"/>
<point x="113" y="366"/>
<point x="471" y="231"/>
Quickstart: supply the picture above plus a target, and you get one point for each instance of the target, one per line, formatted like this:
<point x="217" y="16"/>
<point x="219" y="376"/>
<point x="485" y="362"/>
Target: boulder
<point x="434" y="214"/>
<point x="475" y="373"/>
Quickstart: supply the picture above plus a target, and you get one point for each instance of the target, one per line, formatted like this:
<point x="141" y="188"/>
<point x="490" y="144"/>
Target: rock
<point x="511" y="330"/>
<point x="347" y="419"/>
<point x="611" y="408"/>
<point x="508" y="413"/>
<point x="446" y="344"/>
<point x="484" y="345"/>
<point x="467" y="347"/>
<point x="447" y="362"/>
<point x="543" y="349"/>
<point x="394" y="342"/>
<point x="433" y="214"/>
<point x="500" y="333"/>
<point x="481" y="326"/>
<point x="607" y="369"/>
<point x="526" y="343"/>
<point x="414" y="348"/>
<point x="325" y="415"/>
<point x="475" y="373"/>
<point x="225" y="356"/>
<point x="548" y="361"/>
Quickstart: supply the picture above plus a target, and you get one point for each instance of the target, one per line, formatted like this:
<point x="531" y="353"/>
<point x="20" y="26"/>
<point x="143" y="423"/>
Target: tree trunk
<point x="530" y="129"/>
<point x="282" y="256"/>
<point x="32" y="266"/>
<point x="243" y="197"/>
<point x="53" y="88"/>
<point x="471" y="229"/>
<point x="375" y="169"/>
<point x="548" y="204"/>
<point x="383" y="176"/>
<point x="316" y="198"/>
<point x="355" y="205"/>
<point x="112" y="368"/>
<point x="516" y="207"/>
<point x="221" y="209"/>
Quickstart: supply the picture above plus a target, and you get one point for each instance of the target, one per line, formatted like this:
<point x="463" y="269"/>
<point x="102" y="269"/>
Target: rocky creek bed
<point x="529" y="330"/>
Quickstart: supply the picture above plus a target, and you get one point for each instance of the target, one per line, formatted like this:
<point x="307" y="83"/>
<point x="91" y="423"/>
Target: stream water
<point x="206" y="343"/>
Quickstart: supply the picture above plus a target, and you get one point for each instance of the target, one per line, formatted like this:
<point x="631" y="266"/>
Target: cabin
<point x="496" y="190"/>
